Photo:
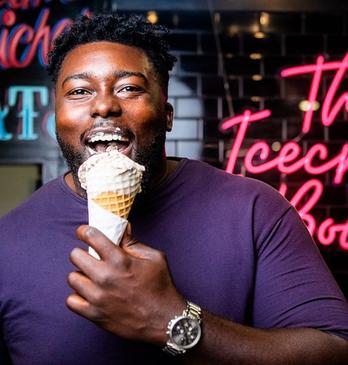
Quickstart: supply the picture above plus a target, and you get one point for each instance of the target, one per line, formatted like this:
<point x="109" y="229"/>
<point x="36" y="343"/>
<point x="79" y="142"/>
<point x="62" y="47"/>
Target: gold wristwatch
<point x="184" y="331"/>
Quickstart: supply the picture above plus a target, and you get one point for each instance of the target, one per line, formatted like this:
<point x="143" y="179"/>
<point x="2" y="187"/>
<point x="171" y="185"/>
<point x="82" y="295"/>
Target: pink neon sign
<point x="36" y="39"/>
<point x="291" y="158"/>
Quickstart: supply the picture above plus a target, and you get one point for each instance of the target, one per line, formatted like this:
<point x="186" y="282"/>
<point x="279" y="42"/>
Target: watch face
<point x="185" y="332"/>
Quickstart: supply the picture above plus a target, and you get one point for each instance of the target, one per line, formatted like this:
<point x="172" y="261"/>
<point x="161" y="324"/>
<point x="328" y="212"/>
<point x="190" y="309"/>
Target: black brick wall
<point x="198" y="93"/>
<point x="199" y="98"/>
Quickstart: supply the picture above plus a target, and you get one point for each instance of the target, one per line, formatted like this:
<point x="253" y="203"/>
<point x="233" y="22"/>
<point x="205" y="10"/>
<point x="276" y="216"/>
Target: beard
<point x="151" y="156"/>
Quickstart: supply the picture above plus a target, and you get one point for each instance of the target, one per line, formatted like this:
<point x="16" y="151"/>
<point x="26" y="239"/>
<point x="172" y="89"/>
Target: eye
<point x="130" y="90"/>
<point x="78" y="93"/>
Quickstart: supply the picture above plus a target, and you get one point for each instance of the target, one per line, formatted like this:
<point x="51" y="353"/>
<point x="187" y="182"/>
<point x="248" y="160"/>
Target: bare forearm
<point x="132" y="284"/>
<point x="226" y="342"/>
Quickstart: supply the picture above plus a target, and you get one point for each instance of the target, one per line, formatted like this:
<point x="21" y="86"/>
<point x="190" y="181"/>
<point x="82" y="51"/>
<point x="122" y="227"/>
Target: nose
<point x="106" y="104"/>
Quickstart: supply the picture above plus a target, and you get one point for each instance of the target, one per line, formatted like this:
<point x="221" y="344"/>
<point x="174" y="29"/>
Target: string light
<point x="276" y="146"/>
<point x="233" y="30"/>
<point x="306" y="105"/>
<point x="257" y="77"/>
<point x="152" y="17"/>
<point x="259" y="35"/>
<point x="264" y="19"/>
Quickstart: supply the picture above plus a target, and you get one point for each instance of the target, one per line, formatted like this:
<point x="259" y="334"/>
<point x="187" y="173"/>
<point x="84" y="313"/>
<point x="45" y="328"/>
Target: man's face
<point x="108" y="96"/>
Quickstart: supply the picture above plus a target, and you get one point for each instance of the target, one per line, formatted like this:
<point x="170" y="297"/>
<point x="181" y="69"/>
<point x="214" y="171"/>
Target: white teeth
<point x="106" y="137"/>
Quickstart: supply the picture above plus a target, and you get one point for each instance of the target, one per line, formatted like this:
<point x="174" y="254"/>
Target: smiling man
<point x="121" y="93"/>
<point x="215" y="269"/>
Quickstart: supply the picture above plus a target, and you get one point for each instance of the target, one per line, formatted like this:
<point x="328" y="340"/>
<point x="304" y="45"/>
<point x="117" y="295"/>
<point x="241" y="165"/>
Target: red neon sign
<point x="36" y="39"/>
<point x="291" y="158"/>
<point x="329" y="112"/>
<point x="244" y="121"/>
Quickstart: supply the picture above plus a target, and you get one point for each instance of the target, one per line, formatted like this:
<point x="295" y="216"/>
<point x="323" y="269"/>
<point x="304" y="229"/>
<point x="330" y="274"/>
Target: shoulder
<point x="238" y="188"/>
<point x="51" y="200"/>
<point x="250" y="204"/>
<point x="52" y="208"/>
<point x="211" y="197"/>
<point x="46" y="192"/>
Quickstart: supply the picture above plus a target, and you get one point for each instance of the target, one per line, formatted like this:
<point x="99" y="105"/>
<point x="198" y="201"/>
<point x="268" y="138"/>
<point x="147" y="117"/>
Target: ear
<point x="169" y="116"/>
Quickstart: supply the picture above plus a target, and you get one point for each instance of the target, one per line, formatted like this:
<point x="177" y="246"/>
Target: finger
<point x="82" y="307"/>
<point x="85" y="262"/>
<point x="83" y="286"/>
<point x="97" y="240"/>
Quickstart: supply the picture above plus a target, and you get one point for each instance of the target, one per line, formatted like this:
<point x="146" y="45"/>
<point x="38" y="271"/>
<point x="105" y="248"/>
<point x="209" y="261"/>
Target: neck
<point x="168" y="166"/>
<point x="74" y="185"/>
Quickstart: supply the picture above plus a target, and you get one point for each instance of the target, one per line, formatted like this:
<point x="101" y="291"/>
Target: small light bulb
<point x="255" y="56"/>
<point x="276" y="146"/>
<point x="257" y="77"/>
<point x="306" y="105"/>
<point x="259" y="35"/>
<point x="264" y="18"/>
<point x="152" y="17"/>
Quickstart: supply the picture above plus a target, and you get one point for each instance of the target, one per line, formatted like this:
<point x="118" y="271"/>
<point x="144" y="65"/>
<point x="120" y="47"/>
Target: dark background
<point x="213" y="40"/>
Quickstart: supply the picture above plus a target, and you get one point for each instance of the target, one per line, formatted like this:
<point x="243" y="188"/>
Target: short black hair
<point x="132" y="30"/>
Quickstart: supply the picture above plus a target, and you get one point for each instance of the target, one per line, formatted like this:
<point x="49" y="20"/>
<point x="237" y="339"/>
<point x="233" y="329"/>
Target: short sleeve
<point x="293" y="285"/>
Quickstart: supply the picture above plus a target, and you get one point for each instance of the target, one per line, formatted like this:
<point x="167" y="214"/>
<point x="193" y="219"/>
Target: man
<point x="214" y="268"/>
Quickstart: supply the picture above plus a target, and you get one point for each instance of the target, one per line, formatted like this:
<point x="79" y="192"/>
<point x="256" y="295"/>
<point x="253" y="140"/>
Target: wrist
<point x="184" y="330"/>
<point x="176" y="307"/>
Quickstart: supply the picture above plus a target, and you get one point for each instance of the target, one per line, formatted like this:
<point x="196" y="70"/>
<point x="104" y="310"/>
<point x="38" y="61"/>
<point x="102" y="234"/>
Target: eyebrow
<point x="117" y="74"/>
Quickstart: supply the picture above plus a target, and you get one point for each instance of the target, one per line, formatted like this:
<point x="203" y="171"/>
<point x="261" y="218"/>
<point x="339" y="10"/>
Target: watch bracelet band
<point x="171" y="349"/>
<point x="192" y="310"/>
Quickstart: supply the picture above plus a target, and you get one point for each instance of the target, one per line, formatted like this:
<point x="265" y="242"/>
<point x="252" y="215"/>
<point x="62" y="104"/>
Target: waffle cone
<point x="116" y="203"/>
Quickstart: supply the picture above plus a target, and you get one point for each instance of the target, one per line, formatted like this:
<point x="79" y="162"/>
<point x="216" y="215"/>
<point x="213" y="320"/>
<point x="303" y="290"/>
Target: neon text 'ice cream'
<point x="291" y="158"/>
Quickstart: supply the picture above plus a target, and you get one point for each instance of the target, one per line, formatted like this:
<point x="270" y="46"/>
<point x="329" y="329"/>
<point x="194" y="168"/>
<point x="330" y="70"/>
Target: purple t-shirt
<point x="234" y="246"/>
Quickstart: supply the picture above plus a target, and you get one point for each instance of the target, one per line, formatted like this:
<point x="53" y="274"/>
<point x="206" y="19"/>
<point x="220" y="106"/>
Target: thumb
<point x="127" y="238"/>
<point x="133" y="247"/>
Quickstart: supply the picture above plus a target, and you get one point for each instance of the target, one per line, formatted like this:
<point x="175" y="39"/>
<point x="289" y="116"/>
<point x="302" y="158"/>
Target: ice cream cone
<point x="115" y="203"/>
<point x="112" y="182"/>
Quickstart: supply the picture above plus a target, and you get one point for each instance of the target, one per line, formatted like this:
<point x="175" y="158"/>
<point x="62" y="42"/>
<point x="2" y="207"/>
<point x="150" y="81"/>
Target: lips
<point x="102" y="140"/>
